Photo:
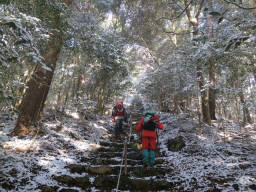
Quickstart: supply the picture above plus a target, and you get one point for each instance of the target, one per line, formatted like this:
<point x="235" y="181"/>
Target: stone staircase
<point x="100" y="171"/>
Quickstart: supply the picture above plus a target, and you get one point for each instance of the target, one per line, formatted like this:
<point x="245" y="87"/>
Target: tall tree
<point x="194" y="21"/>
<point x="212" y="70"/>
<point x="39" y="84"/>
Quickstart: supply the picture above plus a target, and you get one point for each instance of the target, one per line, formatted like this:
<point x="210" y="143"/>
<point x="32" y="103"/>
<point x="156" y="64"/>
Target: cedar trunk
<point x="212" y="97"/>
<point x="39" y="84"/>
<point x="204" y="97"/>
<point x="38" y="88"/>
<point x="247" y="116"/>
<point x="203" y="91"/>
<point x="212" y="71"/>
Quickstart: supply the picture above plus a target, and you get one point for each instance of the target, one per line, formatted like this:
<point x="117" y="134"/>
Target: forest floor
<point x="210" y="161"/>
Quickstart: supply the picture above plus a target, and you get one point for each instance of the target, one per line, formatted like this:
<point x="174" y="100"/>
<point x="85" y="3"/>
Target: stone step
<point x="117" y="160"/>
<point x="109" y="149"/>
<point x="136" y="171"/>
<point x="133" y="184"/>
<point x="132" y="155"/>
<point x="112" y="154"/>
<point x="117" y="148"/>
<point x="109" y="183"/>
<point x="116" y="144"/>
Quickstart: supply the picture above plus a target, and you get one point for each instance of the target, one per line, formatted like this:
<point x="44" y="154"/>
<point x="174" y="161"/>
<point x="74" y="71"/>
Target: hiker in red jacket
<point x="119" y="115"/>
<point x="148" y="125"/>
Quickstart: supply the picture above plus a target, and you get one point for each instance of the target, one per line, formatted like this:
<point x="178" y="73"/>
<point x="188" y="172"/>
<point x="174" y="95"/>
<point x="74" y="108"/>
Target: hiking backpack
<point x="150" y="121"/>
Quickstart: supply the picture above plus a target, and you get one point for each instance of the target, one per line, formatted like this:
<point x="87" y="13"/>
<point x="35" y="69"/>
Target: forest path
<point x="100" y="171"/>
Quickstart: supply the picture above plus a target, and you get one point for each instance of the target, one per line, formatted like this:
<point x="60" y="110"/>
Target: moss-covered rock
<point x="45" y="188"/>
<point x="105" y="182"/>
<point x="8" y="185"/>
<point x="74" y="168"/>
<point x="82" y="182"/>
<point x="101" y="170"/>
<point x="65" y="179"/>
<point x="176" y="144"/>
<point x="136" y="184"/>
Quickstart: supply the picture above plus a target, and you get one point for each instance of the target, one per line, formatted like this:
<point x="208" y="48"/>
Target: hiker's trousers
<point x="149" y="143"/>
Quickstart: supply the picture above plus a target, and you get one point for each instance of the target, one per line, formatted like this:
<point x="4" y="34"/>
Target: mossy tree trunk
<point x="39" y="84"/>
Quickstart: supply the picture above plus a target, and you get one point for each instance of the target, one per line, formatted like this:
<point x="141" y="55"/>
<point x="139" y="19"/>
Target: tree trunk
<point x="212" y="71"/>
<point x="203" y="91"/>
<point x="252" y="3"/>
<point x="204" y="97"/>
<point x="38" y="88"/>
<point x="39" y="84"/>
<point x="60" y="96"/>
<point x="212" y="96"/>
<point x="247" y="117"/>
<point x="101" y="97"/>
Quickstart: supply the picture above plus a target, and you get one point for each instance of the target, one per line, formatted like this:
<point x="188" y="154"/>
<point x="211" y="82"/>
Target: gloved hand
<point x="155" y="118"/>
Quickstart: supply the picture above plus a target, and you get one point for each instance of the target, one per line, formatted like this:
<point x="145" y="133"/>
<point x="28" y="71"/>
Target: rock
<point x="159" y="161"/>
<point x="47" y="146"/>
<point x="8" y="185"/>
<point x="74" y="168"/>
<point x="45" y="188"/>
<point x="13" y="172"/>
<point x="82" y="182"/>
<point x="68" y="180"/>
<point x="176" y="144"/>
<point x="253" y="187"/>
<point x="68" y="190"/>
<point x="236" y="187"/>
<point x="104" y="181"/>
<point x="244" y="166"/>
<point x="36" y="168"/>
<point x="228" y="152"/>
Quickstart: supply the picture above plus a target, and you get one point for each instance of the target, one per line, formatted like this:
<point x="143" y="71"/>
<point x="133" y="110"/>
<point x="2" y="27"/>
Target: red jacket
<point x="122" y="113"/>
<point x="148" y="133"/>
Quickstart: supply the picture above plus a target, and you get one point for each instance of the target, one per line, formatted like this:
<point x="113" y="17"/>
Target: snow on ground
<point x="48" y="154"/>
<point x="206" y="162"/>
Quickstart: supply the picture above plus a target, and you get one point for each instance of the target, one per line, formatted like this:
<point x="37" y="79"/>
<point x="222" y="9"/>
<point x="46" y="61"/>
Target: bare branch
<point x="187" y="10"/>
<point x="177" y="15"/>
<point x="175" y="33"/>
<point x="199" y="9"/>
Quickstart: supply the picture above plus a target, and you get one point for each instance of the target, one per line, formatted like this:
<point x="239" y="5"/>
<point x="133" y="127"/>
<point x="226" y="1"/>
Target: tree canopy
<point x="176" y="54"/>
